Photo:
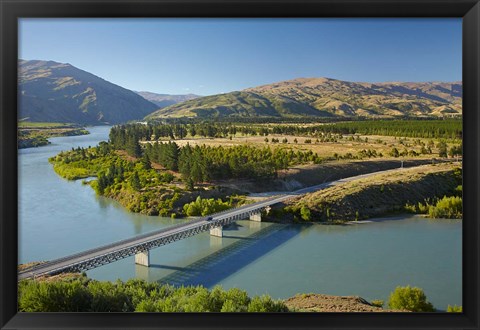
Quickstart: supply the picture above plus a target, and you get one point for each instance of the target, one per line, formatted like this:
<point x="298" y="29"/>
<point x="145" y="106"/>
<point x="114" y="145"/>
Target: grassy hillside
<point x="379" y="194"/>
<point x="325" y="97"/>
<point x="58" y="92"/>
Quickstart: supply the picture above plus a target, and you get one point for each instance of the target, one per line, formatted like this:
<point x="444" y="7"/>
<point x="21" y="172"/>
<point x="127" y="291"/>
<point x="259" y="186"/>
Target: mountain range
<point x="326" y="97"/>
<point x="59" y="92"/>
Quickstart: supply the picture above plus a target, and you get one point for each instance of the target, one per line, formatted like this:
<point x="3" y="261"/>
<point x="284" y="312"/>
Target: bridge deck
<point x="115" y="251"/>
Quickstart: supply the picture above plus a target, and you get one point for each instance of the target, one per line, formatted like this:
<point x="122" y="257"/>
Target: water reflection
<point x="219" y="265"/>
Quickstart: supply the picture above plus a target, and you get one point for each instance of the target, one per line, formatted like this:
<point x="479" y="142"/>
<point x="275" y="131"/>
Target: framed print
<point x="217" y="164"/>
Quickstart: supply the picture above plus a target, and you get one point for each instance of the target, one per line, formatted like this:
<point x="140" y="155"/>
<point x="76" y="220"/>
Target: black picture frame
<point x="11" y="10"/>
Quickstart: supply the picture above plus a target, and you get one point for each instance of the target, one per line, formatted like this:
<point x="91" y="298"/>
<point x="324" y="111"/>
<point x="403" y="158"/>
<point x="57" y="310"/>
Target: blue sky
<point x="210" y="56"/>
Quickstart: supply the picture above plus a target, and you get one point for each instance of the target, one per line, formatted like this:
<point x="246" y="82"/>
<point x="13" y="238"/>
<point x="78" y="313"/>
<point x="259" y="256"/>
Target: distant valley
<point x="325" y="97"/>
<point x="164" y="100"/>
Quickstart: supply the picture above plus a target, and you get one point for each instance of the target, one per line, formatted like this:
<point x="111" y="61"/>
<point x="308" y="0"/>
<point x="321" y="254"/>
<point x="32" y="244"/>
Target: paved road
<point x="242" y="212"/>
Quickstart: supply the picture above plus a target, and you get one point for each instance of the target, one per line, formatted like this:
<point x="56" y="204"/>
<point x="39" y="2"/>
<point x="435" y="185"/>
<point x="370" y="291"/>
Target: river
<point x="59" y="217"/>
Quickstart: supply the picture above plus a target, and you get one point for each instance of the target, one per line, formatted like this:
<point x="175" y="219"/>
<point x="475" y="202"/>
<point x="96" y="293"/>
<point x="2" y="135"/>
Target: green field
<point x="30" y="124"/>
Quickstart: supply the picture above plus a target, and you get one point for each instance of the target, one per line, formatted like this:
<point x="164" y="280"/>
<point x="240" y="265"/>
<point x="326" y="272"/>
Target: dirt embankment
<point x="379" y="194"/>
<point x="324" y="303"/>
<point x="309" y="175"/>
<point x="29" y="265"/>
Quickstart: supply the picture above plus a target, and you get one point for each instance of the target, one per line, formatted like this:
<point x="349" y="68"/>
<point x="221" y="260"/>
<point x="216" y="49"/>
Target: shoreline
<point x="33" y="137"/>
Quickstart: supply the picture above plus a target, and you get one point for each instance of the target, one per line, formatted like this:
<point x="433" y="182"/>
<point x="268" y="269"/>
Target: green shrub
<point x="266" y="304"/>
<point x="447" y="207"/>
<point x="55" y="296"/>
<point x="411" y="299"/>
<point x="85" y="295"/>
<point x="305" y="213"/>
<point x="206" y="206"/>
<point x="377" y="303"/>
<point x="454" y="309"/>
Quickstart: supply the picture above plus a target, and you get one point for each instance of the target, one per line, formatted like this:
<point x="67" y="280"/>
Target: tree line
<point x="445" y="129"/>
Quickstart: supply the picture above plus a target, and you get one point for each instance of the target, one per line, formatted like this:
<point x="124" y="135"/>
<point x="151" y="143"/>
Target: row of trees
<point x="447" y="129"/>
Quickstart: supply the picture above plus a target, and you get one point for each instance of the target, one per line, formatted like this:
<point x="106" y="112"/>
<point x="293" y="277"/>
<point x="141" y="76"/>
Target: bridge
<point x="140" y="245"/>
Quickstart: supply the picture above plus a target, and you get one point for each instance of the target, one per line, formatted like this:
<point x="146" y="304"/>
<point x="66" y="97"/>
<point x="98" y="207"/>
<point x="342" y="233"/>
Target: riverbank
<point x="87" y="295"/>
<point x="374" y="196"/>
<point x="36" y="134"/>
<point x="314" y="302"/>
<point x="144" y="186"/>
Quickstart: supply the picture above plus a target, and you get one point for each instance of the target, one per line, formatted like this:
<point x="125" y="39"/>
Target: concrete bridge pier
<point x="217" y="231"/>
<point x="256" y="217"/>
<point x="143" y="258"/>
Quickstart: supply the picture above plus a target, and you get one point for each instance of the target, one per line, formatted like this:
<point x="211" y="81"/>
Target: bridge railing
<point x="220" y="221"/>
<point x="111" y="245"/>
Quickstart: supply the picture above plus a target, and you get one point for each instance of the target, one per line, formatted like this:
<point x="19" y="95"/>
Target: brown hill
<point x="325" y="97"/>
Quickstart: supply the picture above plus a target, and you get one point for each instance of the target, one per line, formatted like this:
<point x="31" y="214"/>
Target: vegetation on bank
<point x="80" y="294"/>
<point x="450" y="207"/>
<point x="160" y="177"/>
<point x="134" y="184"/>
<point x="410" y="299"/>
<point x="165" y="186"/>
<point x="204" y="206"/>
<point x="31" y="134"/>
<point x="376" y="195"/>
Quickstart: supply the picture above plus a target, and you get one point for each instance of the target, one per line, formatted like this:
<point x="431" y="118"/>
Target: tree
<point x="101" y="184"/>
<point x="394" y="153"/>
<point x="442" y="149"/>
<point x="135" y="181"/>
<point x="455" y="151"/>
<point x="189" y="184"/>
<point x="146" y="162"/>
<point x="411" y="299"/>
<point x="192" y="130"/>
<point x="133" y="147"/>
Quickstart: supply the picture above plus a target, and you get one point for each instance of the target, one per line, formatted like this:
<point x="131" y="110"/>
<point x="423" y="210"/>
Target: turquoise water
<point x="58" y="217"/>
